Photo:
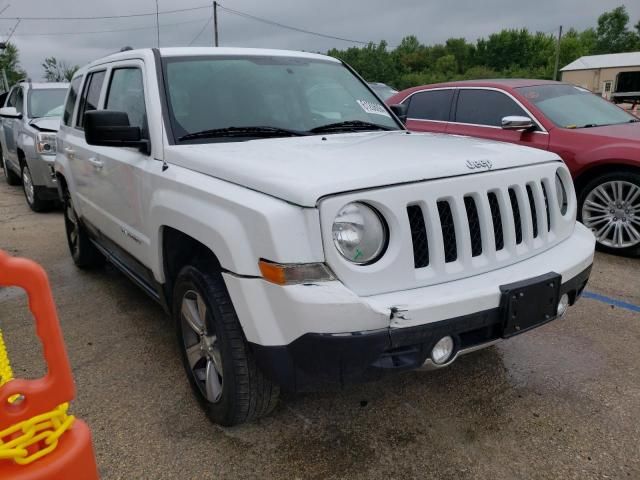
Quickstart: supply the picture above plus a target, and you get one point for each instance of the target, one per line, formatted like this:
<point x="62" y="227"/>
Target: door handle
<point x="96" y="163"/>
<point x="69" y="151"/>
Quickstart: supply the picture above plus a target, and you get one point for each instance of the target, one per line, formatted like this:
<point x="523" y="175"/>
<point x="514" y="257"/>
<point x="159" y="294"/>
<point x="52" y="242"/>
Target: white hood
<point x="46" y="123"/>
<point x="301" y="170"/>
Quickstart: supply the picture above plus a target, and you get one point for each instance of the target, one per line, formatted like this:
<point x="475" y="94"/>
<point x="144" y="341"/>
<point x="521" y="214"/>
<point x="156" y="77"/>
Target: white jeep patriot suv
<point x="297" y="233"/>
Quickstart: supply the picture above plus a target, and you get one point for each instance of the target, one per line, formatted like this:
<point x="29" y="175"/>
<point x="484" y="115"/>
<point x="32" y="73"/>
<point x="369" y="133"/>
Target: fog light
<point x="563" y="305"/>
<point x="442" y="350"/>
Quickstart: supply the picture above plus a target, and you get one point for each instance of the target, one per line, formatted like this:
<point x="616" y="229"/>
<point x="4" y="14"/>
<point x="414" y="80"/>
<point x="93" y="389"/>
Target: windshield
<point x="296" y="94"/>
<point x="573" y="107"/>
<point x="383" y="91"/>
<point x="45" y="102"/>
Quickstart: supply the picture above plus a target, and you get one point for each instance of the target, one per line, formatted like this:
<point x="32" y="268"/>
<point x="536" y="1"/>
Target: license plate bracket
<point x="529" y="303"/>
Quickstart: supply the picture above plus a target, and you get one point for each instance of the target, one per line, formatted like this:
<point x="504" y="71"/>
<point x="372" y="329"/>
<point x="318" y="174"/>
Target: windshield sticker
<point x="374" y="108"/>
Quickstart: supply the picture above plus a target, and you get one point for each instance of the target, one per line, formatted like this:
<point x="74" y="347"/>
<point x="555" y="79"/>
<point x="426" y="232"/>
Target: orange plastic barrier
<point x="30" y="410"/>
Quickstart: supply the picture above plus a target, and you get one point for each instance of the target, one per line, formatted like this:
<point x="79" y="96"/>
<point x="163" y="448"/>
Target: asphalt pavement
<point x="561" y="402"/>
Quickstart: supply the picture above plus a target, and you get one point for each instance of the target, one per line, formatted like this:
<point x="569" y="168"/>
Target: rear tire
<point x="32" y="192"/>
<point x="84" y="253"/>
<point x="216" y="356"/>
<point x="611" y="203"/>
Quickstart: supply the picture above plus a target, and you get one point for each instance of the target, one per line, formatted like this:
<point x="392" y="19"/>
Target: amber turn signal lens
<point x="292" y="273"/>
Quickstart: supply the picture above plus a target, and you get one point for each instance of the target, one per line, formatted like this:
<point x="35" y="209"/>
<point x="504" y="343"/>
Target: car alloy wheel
<point x="27" y="184"/>
<point x="612" y="211"/>
<point x="201" y="346"/>
<point x="73" y="229"/>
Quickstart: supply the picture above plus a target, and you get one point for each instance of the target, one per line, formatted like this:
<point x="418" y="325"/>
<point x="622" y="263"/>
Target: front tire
<point x="216" y="356"/>
<point x="84" y="253"/>
<point x="610" y="206"/>
<point x="32" y="192"/>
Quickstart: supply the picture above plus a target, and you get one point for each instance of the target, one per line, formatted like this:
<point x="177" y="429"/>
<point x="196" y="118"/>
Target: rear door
<point x="84" y="171"/>
<point x="429" y="110"/>
<point x="478" y="112"/>
<point x="10" y="126"/>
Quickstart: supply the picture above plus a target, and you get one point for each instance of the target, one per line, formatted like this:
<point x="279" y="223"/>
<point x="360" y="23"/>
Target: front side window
<point x="568" y="106"/>
<point x="126" y="94"/>
<point x="71" y="100"/>
<point x="296" y="94"/>
<point x="90" y="96"/>
<point x="46" y="102"/>
<point x="432" y="105"/>
<point x="485" y="107"/>
<point x="11" y="101"/>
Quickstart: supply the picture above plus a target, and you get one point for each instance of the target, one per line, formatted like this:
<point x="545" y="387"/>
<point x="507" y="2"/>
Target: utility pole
<point x="555" y="70"/>
<point x="215" y="24"/>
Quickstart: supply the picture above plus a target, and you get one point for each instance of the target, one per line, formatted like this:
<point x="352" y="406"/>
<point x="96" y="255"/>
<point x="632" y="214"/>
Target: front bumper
<point x="43" y="174"/>
<point x="308" y="337"/>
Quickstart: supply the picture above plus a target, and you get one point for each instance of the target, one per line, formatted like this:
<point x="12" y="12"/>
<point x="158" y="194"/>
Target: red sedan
<point x="599" y="142"/>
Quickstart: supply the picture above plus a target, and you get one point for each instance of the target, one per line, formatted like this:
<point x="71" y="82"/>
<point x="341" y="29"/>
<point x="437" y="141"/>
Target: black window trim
<point x="76" y="103"/>
<point x="454" y="104"/>
<point x="85" y="84"/>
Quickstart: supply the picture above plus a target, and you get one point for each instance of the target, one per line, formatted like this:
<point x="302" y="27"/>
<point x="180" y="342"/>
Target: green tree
<point x="58" y="71"/>
<point x="10" y="63"/>
<point x="613" y="36"/>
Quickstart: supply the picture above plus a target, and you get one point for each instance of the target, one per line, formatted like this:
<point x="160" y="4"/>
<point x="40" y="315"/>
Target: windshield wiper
<point x="349" y="126"/>
<point x="244" y="132"/>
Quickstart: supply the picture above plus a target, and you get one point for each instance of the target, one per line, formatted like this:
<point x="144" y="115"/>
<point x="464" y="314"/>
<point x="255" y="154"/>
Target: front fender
<point x="240" y="226"/>
<point x="620" y="154"/>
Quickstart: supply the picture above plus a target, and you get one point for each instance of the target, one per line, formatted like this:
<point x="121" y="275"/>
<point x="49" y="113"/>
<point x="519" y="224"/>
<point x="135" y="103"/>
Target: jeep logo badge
<point x="475" y="164"/>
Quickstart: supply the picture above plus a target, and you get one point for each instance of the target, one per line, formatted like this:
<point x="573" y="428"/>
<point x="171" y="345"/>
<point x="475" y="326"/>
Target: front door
<point x="479" y="113"/>
<point x="119" y="193"/>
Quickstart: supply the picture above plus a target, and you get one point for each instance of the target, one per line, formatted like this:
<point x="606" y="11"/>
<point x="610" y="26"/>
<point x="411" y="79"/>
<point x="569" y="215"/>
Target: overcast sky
<point x="430" y="21"/>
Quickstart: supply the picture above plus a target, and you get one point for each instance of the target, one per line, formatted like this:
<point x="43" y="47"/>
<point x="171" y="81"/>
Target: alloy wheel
<point x="612" y="211"/>
<point x="201" y="346"/>
<point x="27" y="183"/>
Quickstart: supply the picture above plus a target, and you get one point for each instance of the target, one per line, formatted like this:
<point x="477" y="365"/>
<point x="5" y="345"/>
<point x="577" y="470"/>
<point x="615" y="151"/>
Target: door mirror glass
<point x="516" y="122"/>
<point x="109" y="128"/>
<point x="401" y="111"/>
<point x="10" y="112"/>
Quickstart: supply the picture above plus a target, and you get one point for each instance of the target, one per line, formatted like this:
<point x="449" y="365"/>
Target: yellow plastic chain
<point x="47" y="428"/>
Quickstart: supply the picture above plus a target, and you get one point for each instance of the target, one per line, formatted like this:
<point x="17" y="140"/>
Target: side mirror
<point x="516" y="122"/>
<point x="10" y="112"/>
<point x="112" y="129"/>
<point x="400" y="110"/>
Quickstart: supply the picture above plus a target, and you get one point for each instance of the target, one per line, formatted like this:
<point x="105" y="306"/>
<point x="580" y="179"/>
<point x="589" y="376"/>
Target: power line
<point x="53" y="34"/>
<point x="200" y="32"/>
<point x="277" y="24"/>
<point x="165" y="12"/>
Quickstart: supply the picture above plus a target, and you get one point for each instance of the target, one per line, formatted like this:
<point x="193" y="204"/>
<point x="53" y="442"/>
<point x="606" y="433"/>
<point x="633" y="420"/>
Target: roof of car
<point x="208" y="51"/>
<point x="45" y="85"/>
<point x="491" y="83"/>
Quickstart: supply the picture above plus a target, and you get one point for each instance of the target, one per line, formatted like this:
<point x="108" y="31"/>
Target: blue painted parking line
<point x="611" y="301"/>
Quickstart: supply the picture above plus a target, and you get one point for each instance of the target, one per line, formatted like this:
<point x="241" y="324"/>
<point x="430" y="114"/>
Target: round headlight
<point x="561" y="193"/>
<point x="359" y="233"/>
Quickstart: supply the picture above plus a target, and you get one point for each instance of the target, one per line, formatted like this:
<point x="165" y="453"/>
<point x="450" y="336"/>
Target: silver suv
<point x="30" y="120"/>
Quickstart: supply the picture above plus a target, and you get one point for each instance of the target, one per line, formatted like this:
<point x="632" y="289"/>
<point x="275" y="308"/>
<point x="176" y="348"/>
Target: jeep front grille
<point x="519" y="202"/>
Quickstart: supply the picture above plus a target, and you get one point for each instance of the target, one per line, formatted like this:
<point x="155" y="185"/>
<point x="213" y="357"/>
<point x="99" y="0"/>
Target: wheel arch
<point x="596" y="171"/>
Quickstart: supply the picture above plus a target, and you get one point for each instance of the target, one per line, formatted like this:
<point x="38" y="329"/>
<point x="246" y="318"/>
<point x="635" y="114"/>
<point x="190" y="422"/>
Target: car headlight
<point x="46" y="143"/>
<point x="561" y="193"/>
<point x="360" y="233"/>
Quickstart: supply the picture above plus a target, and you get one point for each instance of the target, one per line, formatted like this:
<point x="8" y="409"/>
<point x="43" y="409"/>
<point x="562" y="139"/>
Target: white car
<point x="299" y="241"/>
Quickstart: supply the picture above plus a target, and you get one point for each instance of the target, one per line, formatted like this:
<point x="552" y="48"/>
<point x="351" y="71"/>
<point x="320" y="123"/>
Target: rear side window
<point x="71" y="101"/>
<point x="90" y="96"/>
<point x="485" y="107"/>
<point x="432" y="105"/>
<point x="126" y="94"/>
